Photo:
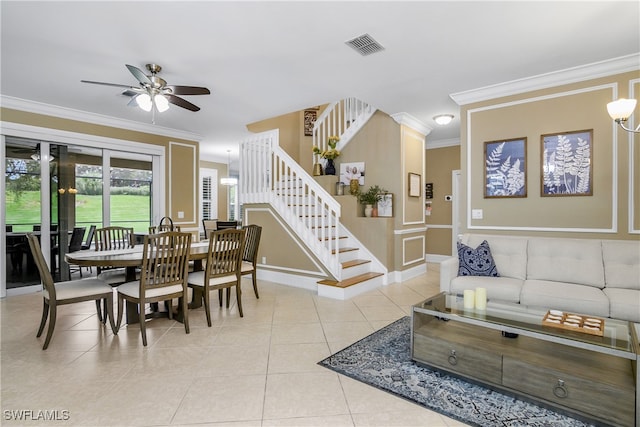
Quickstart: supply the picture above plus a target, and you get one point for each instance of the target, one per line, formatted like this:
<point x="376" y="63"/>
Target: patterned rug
<point x="383" y="360"/>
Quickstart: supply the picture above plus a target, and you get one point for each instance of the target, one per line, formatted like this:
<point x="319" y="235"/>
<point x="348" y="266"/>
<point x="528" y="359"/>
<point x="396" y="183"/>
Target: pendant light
<point x="228" y="180"/>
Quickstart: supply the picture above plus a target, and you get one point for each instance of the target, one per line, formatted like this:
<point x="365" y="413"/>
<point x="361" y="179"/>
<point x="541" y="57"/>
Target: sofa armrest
<point x="448" y="272"/>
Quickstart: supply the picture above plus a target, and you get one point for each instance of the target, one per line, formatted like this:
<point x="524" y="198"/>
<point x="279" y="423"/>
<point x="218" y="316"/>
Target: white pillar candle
<point x="469" y="299"/>
<point x="481" y="298"/>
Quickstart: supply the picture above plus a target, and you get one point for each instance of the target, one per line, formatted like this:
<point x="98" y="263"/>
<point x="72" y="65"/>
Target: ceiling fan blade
<point x="176" y="100"/>
<point x="139" y="74"/>
<point x="106" y="84"/>
<point x="131" y="92"/>
<point x="188" y="90"/>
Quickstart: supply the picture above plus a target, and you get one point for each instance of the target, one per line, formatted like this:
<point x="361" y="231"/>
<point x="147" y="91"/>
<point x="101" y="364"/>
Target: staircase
<point x="270" y="175"/>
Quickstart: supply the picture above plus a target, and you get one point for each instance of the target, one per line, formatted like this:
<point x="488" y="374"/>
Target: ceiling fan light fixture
<point x="162" y="103"/>
<point x="144" y="101"/>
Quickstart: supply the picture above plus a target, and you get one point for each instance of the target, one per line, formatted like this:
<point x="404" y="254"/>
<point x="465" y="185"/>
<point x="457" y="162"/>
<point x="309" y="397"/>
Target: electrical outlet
<point x="476" y="214"/>
<point x="264" y="260"/>
<point x="180" y="214"/>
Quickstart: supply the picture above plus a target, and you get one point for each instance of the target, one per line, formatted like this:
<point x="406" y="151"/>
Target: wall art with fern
<point x="505" y="172"/>
<point x="567" y="164"/>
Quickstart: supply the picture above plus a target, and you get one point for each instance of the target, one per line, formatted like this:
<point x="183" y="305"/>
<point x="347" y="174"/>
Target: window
<point x="208" y="194"/>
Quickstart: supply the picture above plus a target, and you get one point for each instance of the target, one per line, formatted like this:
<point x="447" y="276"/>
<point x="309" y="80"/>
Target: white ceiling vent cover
<point x="365" y="45"/>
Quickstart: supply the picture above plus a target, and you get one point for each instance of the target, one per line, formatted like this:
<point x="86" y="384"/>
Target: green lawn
<point x="126" y="211"/>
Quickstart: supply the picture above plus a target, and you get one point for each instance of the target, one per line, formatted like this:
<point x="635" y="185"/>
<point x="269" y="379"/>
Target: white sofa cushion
<point x="566" y="260"/>
<point x="565" y="296"/>
<point x="624" y="303"/>
<point x="509" y="253"/>
<point x="621" y="263"/>
<point x="502" y="288"/>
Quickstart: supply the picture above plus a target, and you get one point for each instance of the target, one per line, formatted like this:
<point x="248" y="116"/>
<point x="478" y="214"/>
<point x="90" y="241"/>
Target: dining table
<point x="131" y="259"/>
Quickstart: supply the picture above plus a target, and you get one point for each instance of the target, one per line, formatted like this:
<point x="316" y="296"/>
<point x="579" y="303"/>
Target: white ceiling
<point x="262" y="59"/>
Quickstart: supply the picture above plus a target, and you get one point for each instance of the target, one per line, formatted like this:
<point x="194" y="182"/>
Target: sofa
<point x="587" y="276"/>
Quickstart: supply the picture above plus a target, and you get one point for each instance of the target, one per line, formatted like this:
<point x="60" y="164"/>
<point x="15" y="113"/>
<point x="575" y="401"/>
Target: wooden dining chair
<point x="223" y="270"/>
<point x="112" y="238"/>
<point x="69" y="292"/>
<point x="87" y="243"/>
<point x="209" y="225"/>
<point x="223" y="225"/>
<point x="166" y="224"/>
<point x="75" y="244"/>
<point x="250" y="254"/>
<point x="163" y="276"/>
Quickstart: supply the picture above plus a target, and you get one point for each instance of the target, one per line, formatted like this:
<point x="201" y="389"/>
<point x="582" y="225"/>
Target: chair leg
<point x="45" y="314"/>
<point x="238" y="297"/>
<point x="104" y="311"/>
<point x="143" y="324"/>
<point x="220" y="297"/>
<point x="207" y="308"/>
<point x="110" y="314"/>
<point x="255" y="284"/>
<point x="228" y="292"/>
<point x="184" y="302"/>
<point x="52" y="324"/>
<point x="99" y="309"/>
<point x="120" y="311"/>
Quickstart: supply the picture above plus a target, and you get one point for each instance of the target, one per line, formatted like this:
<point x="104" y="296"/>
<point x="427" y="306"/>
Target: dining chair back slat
<point x="110" y="238"/>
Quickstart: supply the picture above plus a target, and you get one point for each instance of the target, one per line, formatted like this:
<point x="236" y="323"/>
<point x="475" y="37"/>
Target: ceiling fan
<point x="153" y="92"/>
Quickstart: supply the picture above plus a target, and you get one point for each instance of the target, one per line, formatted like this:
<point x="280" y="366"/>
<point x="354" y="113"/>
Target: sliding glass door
<point x="53" y="188"/>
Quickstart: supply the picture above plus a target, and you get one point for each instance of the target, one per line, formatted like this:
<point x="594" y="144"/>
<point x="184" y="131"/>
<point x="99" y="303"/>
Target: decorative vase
<point x="339" y="188"/>
<point x="330" y="169"/>
<point x="374" y="211"/>
<point x="368" y="209"/>
<point x="317" y="169"/>
<point x="354" y="187"/>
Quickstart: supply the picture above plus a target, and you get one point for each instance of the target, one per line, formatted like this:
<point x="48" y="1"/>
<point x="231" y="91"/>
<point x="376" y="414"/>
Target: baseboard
<point x="436" y="258"/>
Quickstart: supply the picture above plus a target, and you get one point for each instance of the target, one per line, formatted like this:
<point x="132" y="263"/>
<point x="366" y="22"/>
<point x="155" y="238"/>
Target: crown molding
<point x="442" y="143"/>
<point x="595" y="70"/>
<point x="408" y="120"/>
<point x="98" y="119"/>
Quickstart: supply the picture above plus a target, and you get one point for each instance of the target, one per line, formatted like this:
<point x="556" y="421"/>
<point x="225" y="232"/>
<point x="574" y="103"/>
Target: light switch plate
<point x="476" y="213"/>
<point x="180" y="215"/>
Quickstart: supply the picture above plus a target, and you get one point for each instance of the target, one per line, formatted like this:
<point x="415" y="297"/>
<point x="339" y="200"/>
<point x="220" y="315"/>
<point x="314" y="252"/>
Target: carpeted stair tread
<point x="350" y="281"/>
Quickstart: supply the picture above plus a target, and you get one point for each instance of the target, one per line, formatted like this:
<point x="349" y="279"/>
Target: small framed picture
<point x="310" y="117"/>
<point x="414" y="185"/>
<point x="567" y="164"/>
<point x="428" y="190"/>
<point x="385" y="205"/>
<point x="505" y="171"/>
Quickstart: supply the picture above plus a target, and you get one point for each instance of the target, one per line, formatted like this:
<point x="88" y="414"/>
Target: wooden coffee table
<point x="587" y="376"/>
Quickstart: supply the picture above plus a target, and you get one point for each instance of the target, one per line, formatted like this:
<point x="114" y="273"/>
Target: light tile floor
<point x="260" y="370"/>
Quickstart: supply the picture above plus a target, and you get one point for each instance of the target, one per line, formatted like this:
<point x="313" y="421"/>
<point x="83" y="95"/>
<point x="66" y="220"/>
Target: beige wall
<point x="181" y="157"/>
<point x="440" y="162"/>
<point x="572" y="107"/>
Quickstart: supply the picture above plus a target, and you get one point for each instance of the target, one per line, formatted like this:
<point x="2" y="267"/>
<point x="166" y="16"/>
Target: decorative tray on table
<point x="574" y="322"/>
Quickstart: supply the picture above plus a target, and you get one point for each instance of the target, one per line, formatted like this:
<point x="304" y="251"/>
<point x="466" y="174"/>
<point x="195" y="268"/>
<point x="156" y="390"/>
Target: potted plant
<point x="330" y="155"/>
<point x="370" y="199"/>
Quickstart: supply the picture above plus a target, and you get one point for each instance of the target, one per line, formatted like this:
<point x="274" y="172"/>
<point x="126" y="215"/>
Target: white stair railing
<point x="342" y="118"/>
<point x="269" y="175"/>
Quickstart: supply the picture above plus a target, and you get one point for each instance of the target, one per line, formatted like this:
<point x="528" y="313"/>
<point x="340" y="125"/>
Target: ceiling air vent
<point x="365" y="45"/>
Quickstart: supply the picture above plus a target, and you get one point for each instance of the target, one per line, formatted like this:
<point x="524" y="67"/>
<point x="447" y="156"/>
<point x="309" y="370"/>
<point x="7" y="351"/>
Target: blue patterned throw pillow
<point x="476" y="262"/>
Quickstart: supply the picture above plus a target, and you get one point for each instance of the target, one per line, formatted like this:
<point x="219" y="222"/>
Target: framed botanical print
<point x="385" y="205"/>
<point x="566" y="164"/>
<point x="505" y="172"/>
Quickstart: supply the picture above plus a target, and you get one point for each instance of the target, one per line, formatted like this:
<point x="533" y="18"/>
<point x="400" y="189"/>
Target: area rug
<point x="383" y="360"/>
